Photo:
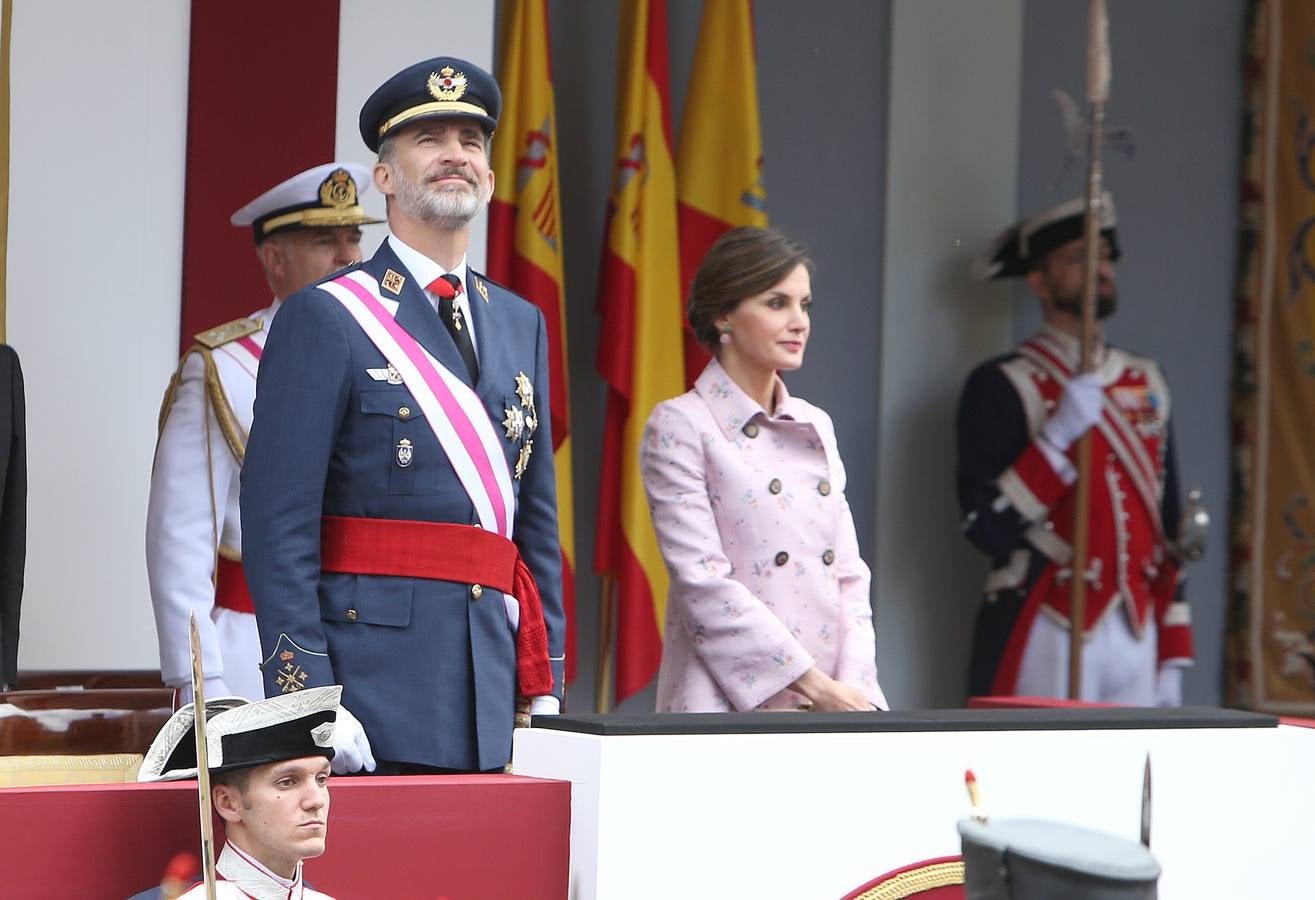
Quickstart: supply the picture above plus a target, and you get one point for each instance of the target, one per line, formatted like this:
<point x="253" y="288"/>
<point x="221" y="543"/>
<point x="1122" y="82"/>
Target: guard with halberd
<point x="1019" y="421"/>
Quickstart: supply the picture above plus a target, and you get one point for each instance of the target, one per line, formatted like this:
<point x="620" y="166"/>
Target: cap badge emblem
<point x="338" y="190"/>
<point x="447" y="84"/>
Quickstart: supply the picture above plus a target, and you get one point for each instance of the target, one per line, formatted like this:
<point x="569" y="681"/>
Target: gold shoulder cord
<point x="214" y="400"/>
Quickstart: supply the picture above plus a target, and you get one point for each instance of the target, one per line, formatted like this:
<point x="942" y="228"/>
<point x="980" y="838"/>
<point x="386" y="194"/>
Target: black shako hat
<point x="1018" y="249"/>
<point x="442" y="87"/>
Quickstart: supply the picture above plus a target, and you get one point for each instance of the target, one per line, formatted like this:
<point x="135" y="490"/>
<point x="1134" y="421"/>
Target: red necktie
<point x="446" y="288"/>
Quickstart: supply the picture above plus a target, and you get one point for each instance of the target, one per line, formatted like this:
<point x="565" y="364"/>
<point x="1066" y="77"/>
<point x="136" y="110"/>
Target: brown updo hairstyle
<point x="744" y="262"/>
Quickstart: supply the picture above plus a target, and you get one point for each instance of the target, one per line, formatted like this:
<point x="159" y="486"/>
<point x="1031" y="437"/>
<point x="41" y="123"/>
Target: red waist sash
<point x="446" y="552"/>
<point x="231" y="590"/>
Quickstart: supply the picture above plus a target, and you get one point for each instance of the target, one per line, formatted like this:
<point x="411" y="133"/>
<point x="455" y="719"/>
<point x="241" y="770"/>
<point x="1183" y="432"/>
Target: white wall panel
<point x="951" y="176"/>
<point x="98" y="119"/>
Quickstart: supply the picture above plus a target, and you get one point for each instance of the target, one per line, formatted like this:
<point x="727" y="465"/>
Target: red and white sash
<point x="454" y="412"/>
<point x="1114" y="426"/>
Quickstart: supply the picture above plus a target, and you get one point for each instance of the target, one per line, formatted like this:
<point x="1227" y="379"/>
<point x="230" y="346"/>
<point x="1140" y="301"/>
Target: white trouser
<point x="1117" y="666"/>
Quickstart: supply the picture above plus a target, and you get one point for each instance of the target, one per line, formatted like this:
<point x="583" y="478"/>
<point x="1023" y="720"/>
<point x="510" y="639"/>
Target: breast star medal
<point x="523" y="420"/>
<point x="514" y="423"/>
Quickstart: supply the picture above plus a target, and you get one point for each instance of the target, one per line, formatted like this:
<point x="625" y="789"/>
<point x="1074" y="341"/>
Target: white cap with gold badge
<point x="326" y="196"/>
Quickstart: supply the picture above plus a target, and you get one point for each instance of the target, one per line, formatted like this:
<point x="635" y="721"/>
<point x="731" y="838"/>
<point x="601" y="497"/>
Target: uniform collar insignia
<point x="392" y="282"/>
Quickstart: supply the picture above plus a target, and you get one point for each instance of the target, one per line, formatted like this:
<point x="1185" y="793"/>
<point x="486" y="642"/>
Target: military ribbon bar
<point x="453" y="411"/>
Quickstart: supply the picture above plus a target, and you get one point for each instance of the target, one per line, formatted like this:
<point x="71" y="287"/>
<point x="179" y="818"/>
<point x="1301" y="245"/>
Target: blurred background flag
<point x="525" y="237"/>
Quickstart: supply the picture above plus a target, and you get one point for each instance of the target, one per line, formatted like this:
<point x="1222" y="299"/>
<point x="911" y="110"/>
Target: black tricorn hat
<point x="1018" y="249"/>
<point x="241" y="734"/>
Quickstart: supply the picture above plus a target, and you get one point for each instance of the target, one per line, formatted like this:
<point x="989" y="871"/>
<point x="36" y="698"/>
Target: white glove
<point x="214" y="687"/>
<point x="1169" y="686"/>
<point x="351" y="748"/>
<point x="1080" y="408"/>
<point x="545" y="705"/>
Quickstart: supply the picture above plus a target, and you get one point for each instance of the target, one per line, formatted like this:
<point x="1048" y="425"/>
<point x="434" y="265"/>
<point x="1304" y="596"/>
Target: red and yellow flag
<point x="525" y="237"/>
<point x="720" y="162"/>
<point x="639" y="353"/>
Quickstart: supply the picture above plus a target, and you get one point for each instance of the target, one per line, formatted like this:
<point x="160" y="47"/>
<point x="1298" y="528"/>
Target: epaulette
<point x="228" y="332"/>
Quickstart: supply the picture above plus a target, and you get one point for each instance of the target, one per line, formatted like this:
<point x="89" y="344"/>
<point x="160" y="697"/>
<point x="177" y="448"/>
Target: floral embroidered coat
<point x="752" y="522"/>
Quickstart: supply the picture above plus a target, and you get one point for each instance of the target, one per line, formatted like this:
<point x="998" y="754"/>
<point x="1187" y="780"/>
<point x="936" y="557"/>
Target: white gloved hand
<point x="1169" y="686"/>
<point x="351" y="748"/>
<point x="545" y="705"/>
<point x="1080" y="408"/>
<point x="214" y="687"/>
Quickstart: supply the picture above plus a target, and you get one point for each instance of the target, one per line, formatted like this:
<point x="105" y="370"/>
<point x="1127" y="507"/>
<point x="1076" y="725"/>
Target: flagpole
<point x="1098" y="83"/>
<point x="603" y="690"/>
<point x="202" y="762"/>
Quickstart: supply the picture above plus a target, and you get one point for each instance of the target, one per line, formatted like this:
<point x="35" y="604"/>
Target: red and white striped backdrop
<point x="136" y="131"/>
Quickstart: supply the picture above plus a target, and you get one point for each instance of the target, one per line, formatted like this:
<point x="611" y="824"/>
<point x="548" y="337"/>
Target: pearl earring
<point x="725" y="333"/>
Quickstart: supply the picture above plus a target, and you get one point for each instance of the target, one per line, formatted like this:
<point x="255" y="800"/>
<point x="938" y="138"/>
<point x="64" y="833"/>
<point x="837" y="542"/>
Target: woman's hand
<point x="829" y="695"/>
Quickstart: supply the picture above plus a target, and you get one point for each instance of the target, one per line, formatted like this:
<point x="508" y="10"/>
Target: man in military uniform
<point x="1020" y="417"/>
<point x="398" y="515"/>
<point x="269" y="783"/>
<point x="304" y="228"/>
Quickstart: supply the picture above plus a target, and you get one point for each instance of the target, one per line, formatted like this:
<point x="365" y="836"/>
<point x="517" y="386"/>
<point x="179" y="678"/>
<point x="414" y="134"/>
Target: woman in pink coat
<point x="768" y="606"/>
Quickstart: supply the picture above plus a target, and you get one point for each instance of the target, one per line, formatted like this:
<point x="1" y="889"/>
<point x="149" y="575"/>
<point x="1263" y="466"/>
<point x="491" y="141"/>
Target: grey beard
<point x="446" y="210"/>
<point x="1105" y="305"/>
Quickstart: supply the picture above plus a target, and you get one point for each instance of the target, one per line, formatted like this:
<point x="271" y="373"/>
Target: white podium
<point x="812" y="805"/>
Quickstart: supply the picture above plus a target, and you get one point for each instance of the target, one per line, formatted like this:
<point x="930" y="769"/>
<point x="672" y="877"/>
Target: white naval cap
<point x="326" y="196"/>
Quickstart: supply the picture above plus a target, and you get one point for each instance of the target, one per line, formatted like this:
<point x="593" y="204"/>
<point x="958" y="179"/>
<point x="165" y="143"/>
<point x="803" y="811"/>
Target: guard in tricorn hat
<point x="399" y="488"/>
<point x="1019" y="422"/>
<point x="304" y="228"/>
<point x="269" y="774"/>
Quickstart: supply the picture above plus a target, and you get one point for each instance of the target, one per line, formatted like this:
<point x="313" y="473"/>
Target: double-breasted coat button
<point x="351" y="615"/>
<point x="774" y="486"/>
<point x="404" y="412"/>
<point x="750" y="430"/>
<point x="476" y="591"/>
<point x="824" y="487"/>
<point x="829" y="557"/>
<point x="782" y="558"/>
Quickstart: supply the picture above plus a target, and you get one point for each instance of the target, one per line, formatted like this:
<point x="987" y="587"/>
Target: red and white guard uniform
<point x="1018" y="508"/>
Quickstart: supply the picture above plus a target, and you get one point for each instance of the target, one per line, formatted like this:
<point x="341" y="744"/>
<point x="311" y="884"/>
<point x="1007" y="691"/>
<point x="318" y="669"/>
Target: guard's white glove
<point x="545" y="705"/>
<point x="1169" y="686"/>
<point x="1079" y="408"/>
<point x="351" y="748"/>
<point x="214" y="687"/>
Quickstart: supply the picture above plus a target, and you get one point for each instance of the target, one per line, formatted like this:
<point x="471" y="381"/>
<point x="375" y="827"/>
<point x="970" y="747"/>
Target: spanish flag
<point x="525" y="237"/>
<point x="720" y="163"/>
<point x="639" y="349"/>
